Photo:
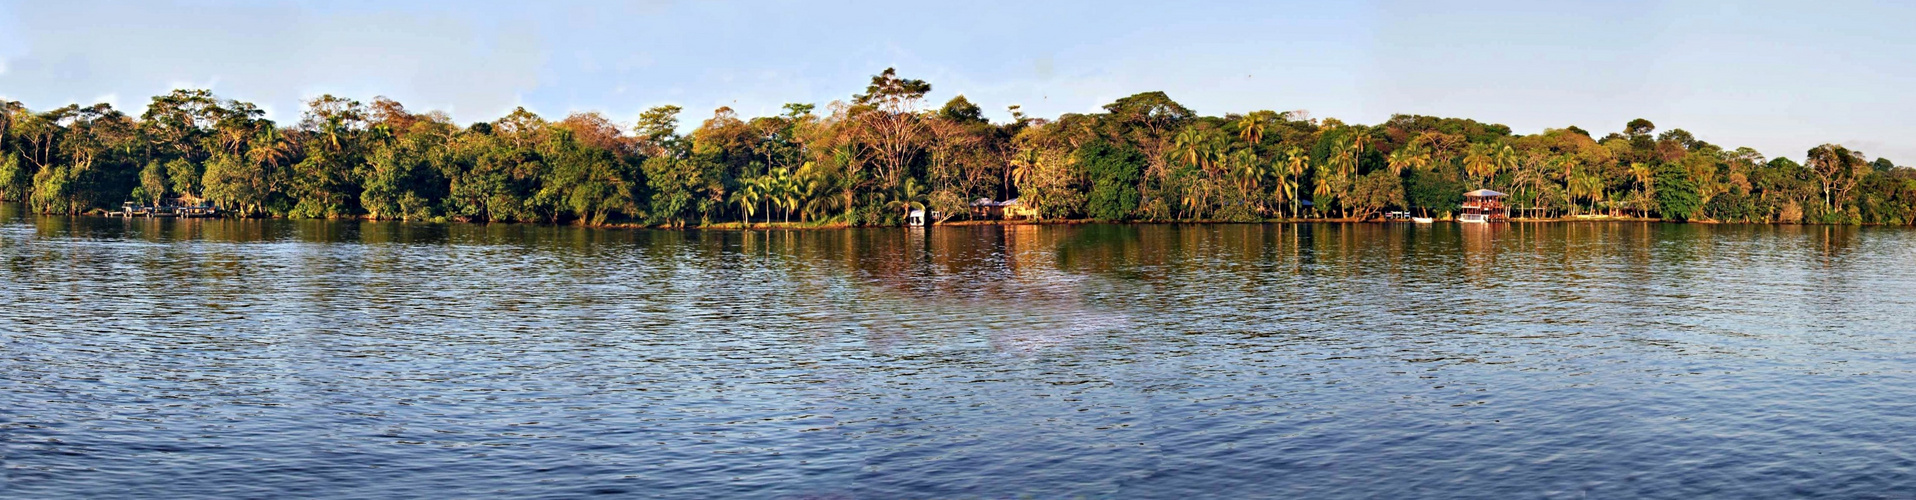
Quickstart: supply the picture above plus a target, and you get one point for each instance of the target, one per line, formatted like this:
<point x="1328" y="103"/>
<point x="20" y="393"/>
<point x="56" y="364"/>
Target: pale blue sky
<point x="1777" y="76"/>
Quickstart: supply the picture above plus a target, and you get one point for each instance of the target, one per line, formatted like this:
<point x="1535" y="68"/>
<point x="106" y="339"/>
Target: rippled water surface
<point x="354" y="359"/>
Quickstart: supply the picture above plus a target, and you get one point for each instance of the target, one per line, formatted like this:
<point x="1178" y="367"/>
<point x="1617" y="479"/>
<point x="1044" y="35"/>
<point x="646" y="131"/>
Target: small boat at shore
<point x="1422" y="220"/>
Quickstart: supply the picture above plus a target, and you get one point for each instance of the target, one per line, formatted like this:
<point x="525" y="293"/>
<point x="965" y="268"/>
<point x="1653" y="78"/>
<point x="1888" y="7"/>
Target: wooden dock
<point x="131" y="209"/>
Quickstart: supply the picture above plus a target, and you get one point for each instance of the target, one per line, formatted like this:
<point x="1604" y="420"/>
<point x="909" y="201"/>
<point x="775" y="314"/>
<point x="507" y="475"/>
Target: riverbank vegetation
<point x="871" y="158"/>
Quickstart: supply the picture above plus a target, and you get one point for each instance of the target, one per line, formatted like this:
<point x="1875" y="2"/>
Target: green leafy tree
<point x="674" y="183"/>
<point x="1432" y="192"/>
<point x="1114" y="176"/>
<point x="1677" y="197"/>
<point x="184" y="177"/>
<point x="235" y="185"/>
<point x="1376" y="192"/>
<point x="154" y="182"/>
<point x="15" y="181"/>
<point x="961" y="110"/>
<point x="397" y="181"/>
<point x="53" y="190"/>
<point x="867" y="160"/>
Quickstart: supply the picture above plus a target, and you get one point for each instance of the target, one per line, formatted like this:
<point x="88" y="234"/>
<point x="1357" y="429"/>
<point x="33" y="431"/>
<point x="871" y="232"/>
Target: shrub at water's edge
<point x="884" y="152"/>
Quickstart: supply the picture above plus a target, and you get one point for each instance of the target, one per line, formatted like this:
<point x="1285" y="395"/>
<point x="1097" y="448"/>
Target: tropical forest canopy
<point x="884" y="151"/>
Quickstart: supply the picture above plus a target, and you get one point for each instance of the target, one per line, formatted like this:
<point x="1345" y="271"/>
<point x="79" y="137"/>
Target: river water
<point x="211" y="358"/>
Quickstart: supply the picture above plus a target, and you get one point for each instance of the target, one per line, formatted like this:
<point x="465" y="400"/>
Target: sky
<point x="1780" y="77"/>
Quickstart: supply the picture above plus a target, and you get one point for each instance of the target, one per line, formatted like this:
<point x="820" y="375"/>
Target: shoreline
<point x="796" y="226"/>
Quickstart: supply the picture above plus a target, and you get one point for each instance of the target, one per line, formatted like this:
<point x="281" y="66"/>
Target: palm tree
<point x="1250" y="129"/>
<point x="1413" y="157"/>
<point x="1187" y="144"/>
<point x="1354" y="154"/>
<point x="332" y="128"/>
<point x="1325" y="190"/>
<point x="1023" y="166"/>
<point x="817" y="203"/>
<point x="381" y="133"/>
<point x="1246" y="170"/>
<point x="746" y="197"/>
<point x="767" y="187"/>
<point x="1297" y="164"/>
<point x="1642" y="173"/>
<point x="783" y="190"/>
<point x="811" y="187"/>
<point x="1249" y="174"/>
<point x="1644" y="177"/>
<point x="1588" y="187"/>
<point x="1342" y="169"/>
<point x="269" y="147"/>
<point x="1284" y="189"/>
<point x="1505" y="159"/>
<point x="911" y="195"/>
<point x="1480" y="163"/>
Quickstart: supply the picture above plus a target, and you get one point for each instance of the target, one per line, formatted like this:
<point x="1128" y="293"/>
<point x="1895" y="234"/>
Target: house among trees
<point x="1484" y="205"/>
<point x="1015" y="209"/>
<point x="986" y="209"/>
<point x="1012" y="209"/>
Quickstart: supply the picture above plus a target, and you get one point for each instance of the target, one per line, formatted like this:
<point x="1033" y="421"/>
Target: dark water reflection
<point x="355" y="359"/>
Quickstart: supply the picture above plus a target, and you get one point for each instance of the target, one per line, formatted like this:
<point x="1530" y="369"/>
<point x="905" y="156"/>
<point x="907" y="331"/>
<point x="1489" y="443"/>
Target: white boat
<point x="1473" y="218"/>
<point x="1421" y="220"/>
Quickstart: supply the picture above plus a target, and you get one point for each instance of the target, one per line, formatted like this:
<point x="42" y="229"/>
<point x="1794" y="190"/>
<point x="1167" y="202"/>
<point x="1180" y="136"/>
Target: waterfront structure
<point x="986" y="209"/>
<point x="1015" y="209"/>
<point x="177" y="207"/>
<point x="1012" y="209"/>
<point x="1484" y="205"/>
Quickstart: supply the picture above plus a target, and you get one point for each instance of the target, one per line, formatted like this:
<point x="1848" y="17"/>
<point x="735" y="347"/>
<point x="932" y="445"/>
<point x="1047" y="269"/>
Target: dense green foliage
<point x="868" y="160"/>
<point x="1114" y="179"/>
<point x="1677" y="197"/>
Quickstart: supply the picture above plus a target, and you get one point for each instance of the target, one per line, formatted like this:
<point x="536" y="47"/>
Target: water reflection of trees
<point x="1025" y="286"/>
<point x="1832" y="244"/>
<point x="944" y="284"/>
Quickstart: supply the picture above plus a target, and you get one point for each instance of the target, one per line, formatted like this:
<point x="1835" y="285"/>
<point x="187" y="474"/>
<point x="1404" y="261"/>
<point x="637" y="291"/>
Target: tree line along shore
<point x="871" y="159"/>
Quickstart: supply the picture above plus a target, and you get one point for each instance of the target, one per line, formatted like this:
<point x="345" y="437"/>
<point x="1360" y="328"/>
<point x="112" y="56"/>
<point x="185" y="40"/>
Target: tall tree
<point x="888" y="125"/>
<point x="1838" y="169"/>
